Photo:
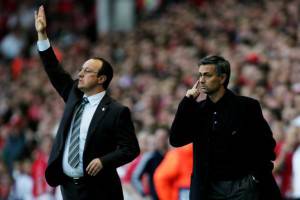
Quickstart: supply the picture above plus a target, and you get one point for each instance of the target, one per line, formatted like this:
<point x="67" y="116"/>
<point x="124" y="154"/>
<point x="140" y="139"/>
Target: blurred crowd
<point x="154" y="66"/>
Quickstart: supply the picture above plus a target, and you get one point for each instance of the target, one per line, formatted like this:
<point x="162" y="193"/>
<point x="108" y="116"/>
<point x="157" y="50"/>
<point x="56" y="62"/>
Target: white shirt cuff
<point x="43" y="44"/>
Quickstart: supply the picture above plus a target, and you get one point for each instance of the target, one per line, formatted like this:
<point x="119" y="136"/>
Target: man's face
<point x="88" y="79"/>
<point x="210" y="82"/>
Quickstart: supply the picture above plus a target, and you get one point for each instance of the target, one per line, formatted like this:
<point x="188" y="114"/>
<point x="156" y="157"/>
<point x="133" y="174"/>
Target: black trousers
<point x="76" y="189"/>
<point x="245" y="188"/>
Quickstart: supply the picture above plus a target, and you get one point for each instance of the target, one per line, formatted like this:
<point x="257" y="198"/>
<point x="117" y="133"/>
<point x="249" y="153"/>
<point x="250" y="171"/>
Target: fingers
<point x="94" y="167"/>
<point x="42" y="12"/>
<point x="196" y="85"/>
<point x="40" y="20"/>
<point x="195" y="91"/>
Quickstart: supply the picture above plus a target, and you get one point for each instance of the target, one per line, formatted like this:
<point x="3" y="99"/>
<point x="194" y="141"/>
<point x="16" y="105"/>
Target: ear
<point x="223" y="78"/>
<point x="101" y="79"/>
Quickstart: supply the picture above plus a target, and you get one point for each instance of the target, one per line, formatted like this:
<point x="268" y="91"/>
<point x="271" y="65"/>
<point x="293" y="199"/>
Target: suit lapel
<point x="74" y="99"/>
<point x="68" y="114"/>
<point x="98" y="116"/>
<point x="66" y="121"/>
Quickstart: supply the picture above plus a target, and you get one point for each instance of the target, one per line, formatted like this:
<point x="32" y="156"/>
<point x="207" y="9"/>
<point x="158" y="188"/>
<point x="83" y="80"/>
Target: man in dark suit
<point x="96" y="134"/>
<point x="233" y="144"/>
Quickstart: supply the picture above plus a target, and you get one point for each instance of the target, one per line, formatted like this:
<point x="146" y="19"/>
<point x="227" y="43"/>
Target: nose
<point x="80" y="73"/>
<point x="201" y="79"/>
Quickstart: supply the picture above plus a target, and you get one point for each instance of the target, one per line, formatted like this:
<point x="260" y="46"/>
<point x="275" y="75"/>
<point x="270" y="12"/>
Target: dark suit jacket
<point x="111" y="136"/>
<point x="252" y="142"/>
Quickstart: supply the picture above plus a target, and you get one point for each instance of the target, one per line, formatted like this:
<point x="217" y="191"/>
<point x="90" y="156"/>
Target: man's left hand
<point x="94" y="167"/>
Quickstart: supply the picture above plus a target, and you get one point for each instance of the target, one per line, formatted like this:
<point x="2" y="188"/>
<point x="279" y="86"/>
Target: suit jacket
<point x="252" y="142"/>
<point x="111" y="136"/>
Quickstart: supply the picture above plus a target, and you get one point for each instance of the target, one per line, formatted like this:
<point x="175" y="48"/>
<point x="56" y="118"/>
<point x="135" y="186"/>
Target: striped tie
<point x="73" y="157"/>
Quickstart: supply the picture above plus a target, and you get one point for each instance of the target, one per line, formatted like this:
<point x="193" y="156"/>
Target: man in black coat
<point x="96" y="133"/>
<point x="233" y="144"/>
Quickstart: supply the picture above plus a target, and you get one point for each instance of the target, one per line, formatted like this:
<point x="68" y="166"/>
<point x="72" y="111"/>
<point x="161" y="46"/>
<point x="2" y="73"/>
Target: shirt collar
<point x="222" y="101"/>
<point x="96" y="98"/>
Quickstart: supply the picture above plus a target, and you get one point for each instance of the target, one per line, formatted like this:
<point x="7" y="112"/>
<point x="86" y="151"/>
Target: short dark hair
<point x="106" y="70"/>
<point x="222" y="66"/>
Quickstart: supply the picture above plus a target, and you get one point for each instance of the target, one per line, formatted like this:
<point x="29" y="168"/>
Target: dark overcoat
<point x="251" y="142"/>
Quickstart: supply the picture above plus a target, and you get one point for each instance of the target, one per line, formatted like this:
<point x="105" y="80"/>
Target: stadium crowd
<point x="154" y="64"/>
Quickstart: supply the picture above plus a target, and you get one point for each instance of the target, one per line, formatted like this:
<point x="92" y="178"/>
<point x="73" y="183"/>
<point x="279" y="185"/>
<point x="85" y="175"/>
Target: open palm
<point x="40" y="20"/>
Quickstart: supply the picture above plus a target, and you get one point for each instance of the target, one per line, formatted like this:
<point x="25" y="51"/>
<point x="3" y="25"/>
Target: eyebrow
<point x="81" y="68"/>
<point x="206" y="73"/>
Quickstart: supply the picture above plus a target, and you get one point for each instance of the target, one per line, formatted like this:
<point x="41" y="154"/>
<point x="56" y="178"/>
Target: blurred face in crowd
<point x="26" y="166"/>
<point x="143" y="139"/>
<point x="161" y="139"/>
<point x="210" y="82"/>
<point x="89" y="81"/>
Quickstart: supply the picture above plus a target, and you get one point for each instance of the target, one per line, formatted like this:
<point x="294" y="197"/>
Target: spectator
<point x="41" y="190"/>
<point x="296" y="167"/>
<point x="283" y="165"/>
<point x="23" y="185"/>
<point x="149" y="162"/>
<point x="143" y="139"/>
<point x="172" y="177"/>
<point x="15" y="144"/>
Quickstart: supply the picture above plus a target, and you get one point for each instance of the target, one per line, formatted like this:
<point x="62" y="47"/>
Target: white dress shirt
<point x="87" y="115"/>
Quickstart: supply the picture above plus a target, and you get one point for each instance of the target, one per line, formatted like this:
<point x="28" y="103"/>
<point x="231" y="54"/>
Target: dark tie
<point x="73" y="157"/>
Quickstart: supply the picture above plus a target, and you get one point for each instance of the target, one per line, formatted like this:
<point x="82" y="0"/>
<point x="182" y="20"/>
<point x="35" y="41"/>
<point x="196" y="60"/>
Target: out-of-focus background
<point x="154" y="46"/>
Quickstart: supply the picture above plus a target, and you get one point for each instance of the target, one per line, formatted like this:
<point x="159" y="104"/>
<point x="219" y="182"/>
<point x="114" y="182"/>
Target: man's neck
<point x="215" y="97"/>
<point x="91" y="93"/>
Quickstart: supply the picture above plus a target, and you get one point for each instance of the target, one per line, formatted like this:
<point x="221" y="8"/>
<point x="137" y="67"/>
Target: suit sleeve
<point x="127" y="144"/>
<point x="182" y="128"/>
<point x="59" y="78"/>
<point x="264" y="143"/>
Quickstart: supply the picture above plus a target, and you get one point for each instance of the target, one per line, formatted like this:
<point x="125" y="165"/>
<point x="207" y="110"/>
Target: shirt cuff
<point x="43" y="44"/>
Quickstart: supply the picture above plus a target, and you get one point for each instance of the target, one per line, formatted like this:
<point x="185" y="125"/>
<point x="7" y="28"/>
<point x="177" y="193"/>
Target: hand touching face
<point x="194" y="92"/>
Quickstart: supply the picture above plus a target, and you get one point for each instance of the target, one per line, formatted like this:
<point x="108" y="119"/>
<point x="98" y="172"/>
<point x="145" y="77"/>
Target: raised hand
<point x="40" y="22"/>
<point x="194" y="92"/>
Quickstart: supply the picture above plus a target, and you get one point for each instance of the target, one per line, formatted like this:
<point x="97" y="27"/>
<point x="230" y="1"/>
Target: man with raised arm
<point x="96" y="134"/>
